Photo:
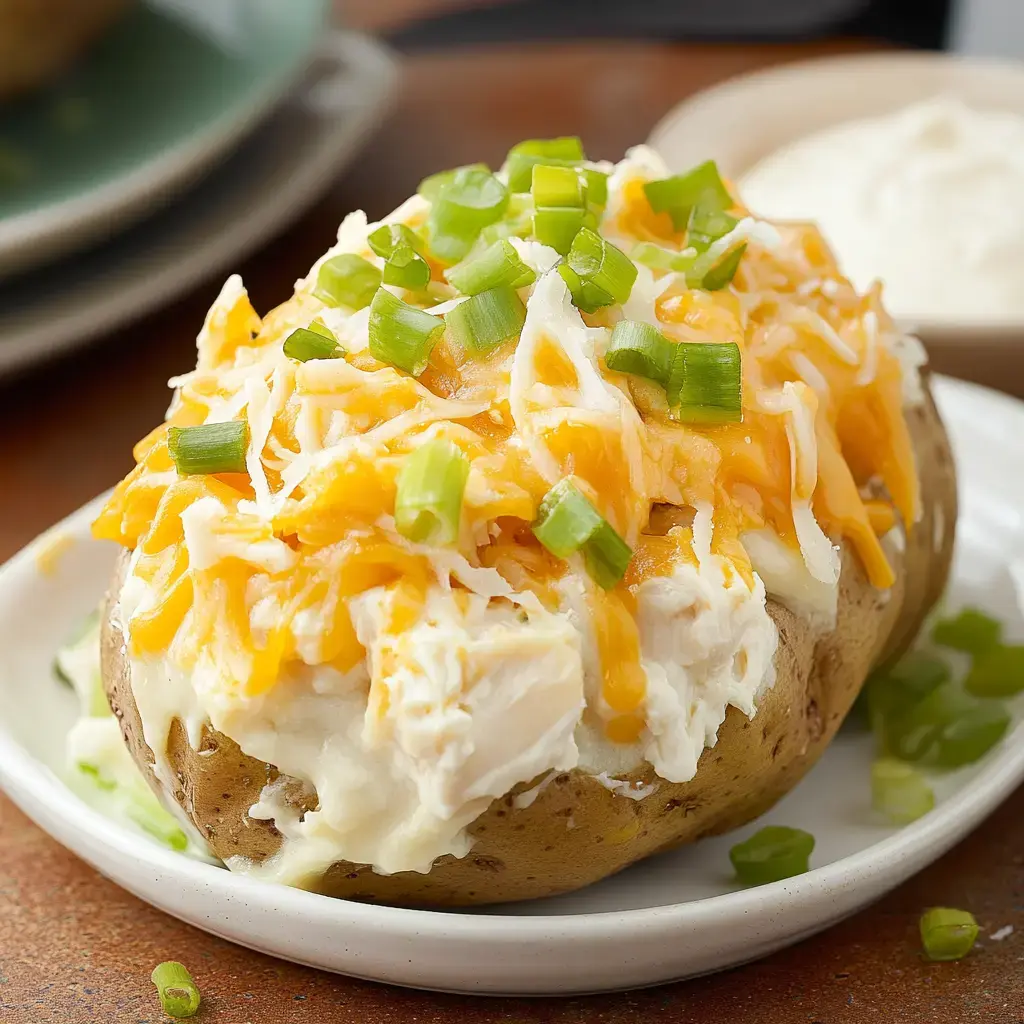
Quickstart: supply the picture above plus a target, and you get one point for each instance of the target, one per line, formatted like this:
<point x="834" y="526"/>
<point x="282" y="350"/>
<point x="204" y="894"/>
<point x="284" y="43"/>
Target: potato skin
<point x="576" y="831"/>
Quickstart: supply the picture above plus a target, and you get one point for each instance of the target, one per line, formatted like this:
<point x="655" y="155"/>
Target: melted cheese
<point x="409" y="684"/>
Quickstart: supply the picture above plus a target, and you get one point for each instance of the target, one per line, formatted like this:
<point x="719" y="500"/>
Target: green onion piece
<point x="706" y="383"/>
<point x="484" y="321"/>
<point x="564" y="147"/>
<point x="567" y="522"/>
<point x="586" y="297"/>
<point x="892" y="693"/>
<point x="557" y="226"/>
<point x="210" y="448"/>
<point x="997" y="673"/>
<point x="319" y="327"/>
<point x="499" y="264"/>
<point x="658" y="258"/>
<point x="706" y="225"/>
<point x="179" y="997"/>
<point x="430" y="186"/>
<point x="597" y="187"/>
<point x="390" y="237"/>
<point x="428" y="503"/>
<point x="639" y="348"/>
<point x="303" y="345"/>
<point x="463" y="208"/>
<point x="899" y="792"/>
<point x="400" y="334"/>
<point x="719" y="274"/>
<point x="970" y="630"/>
<point x="916" y="674"/>
<point x="682" y="192"/>
<point x="773" y="853"/>
<point x="406" y="268"/>
<point x="518" y="221"/>
<point x="347" y="280"/>
<point x="557" y="186"/>
<point x="597" y="261"/>
<point x="970" y="736"/>
<point x="150" y="816"/>
<point x="947" y="934"/>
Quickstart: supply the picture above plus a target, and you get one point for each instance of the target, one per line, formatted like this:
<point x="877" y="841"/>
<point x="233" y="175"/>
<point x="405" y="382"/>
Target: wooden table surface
<point x="74" y="948"/>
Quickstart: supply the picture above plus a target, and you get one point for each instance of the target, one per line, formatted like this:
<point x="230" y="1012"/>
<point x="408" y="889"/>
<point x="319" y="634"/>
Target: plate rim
<point x="67" y="224"/>
<point x="734" y="88"/>
<point x="840" y="885"/>
<point x="178" y="272"/>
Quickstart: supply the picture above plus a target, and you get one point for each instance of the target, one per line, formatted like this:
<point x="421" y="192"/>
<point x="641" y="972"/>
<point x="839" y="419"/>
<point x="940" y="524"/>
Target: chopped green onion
<point x="518" y="221"/>
<point x="597" y="187"/>
<point x="179" y="997"/>
<point x="347" y="280"/>
<point x="520" y="177"/>
<point x="557" y="186"/>
<point x="567" y="522"/>
<point x="706" y="225"/>
<point x="209" y="448"/>
<point x="428" y="503"/>
<point x="641" y="349"/>
<point x="464" y="206"/>
<point x="773" y="853"/>
<point x="681" y="193"/>
<point x="719" y="274"/>
<point x="406" y="268"/>
<point x="595" y="260"/>
<point x="971" y="735"/>
<point x="586" y="297"/>
<point x="970" y="630"/>
<point x="522" y="158"/>
<point x="150" y="816"/>
<point x="899" y="791"/>
<point x="658" y="258"/>
<point x="400" y="334"/>
<point x="997" y="673"/>
<point x="499" y="264"/>
<point x="706" y="383"/>
<point x="303" y="345"/>
<point x="557" y="226"/>
<point x="430" y="186"/>
<point x="319" y="327"/>
<point x="388" y="238"/>
<point x="563" y="147"/>
<point x="484" y="321"/>
<point x="916" y="674"/>
<point x="947" y="934"/>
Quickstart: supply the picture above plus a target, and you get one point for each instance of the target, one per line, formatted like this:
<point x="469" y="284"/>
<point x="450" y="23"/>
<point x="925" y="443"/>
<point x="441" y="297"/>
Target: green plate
<point x="169" y="90"/>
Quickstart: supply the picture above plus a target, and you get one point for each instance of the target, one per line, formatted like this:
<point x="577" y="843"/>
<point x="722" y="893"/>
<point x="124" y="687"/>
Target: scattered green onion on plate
<point x="997" y="672"/>
<point x="209" y="448"/>
<point x="899" y="791"/>
<point x="771" y="854"/>
<point x="969" y="630"/>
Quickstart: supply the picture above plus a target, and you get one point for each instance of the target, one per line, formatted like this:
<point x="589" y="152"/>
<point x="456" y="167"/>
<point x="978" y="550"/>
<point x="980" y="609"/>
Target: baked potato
<point x="40" y="38"/>
<point x="344" y="687"/>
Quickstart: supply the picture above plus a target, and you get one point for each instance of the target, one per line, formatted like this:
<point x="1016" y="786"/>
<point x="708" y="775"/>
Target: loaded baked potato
<point x="438" y="599"/>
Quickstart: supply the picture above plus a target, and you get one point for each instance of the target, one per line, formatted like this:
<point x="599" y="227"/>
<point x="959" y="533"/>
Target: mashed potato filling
<point x="410" y="684"/>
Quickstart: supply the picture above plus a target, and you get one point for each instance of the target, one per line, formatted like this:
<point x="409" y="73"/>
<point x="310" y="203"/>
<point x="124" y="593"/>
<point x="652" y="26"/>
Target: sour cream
<point x="929" y="199"/>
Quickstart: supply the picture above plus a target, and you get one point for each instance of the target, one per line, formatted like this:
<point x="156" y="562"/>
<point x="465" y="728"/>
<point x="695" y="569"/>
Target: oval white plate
<point x="274" y="175"/>
<point x="671" y="917"/>
<point x="745" y="118"/>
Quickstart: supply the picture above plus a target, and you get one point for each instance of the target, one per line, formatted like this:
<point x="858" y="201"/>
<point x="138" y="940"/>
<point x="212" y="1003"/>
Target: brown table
<point x="75" y="948"/>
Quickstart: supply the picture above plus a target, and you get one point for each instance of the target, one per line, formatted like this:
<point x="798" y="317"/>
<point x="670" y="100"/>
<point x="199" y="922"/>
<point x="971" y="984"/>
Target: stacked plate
<point x="190" y="132"/>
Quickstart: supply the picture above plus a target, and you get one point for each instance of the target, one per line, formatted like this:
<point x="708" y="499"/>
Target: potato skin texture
<point x="576" y="831"/>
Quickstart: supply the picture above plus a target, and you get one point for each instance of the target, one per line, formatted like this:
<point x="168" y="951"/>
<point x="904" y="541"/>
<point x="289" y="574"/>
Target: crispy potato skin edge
<point x="576" y="831"/>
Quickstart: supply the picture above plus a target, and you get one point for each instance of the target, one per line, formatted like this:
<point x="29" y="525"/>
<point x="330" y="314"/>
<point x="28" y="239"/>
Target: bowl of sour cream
<point x="912" y="164"/>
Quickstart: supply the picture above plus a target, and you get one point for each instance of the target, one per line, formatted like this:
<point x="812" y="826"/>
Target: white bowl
<point x="745" y="119"/>
<point x="669" y="917"/>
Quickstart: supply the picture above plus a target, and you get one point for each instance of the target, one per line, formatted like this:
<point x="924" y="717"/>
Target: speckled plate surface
<point x="671" y="917"/>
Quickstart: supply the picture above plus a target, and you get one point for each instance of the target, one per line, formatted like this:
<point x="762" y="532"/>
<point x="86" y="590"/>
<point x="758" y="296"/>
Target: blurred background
<point x="149" y="147"/>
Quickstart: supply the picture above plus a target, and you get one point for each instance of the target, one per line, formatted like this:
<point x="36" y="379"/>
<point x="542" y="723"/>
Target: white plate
<point x="267" y="182"/>
<point x="748" y="117"/>
<point x="671" y="917"/>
